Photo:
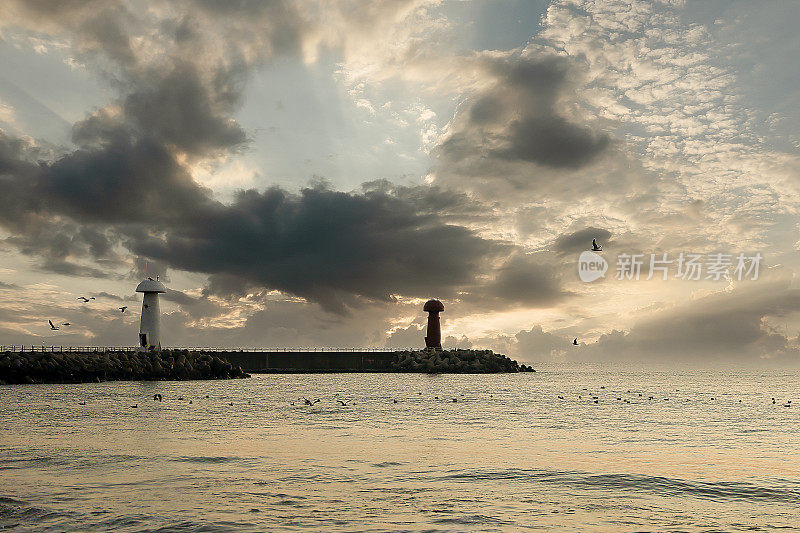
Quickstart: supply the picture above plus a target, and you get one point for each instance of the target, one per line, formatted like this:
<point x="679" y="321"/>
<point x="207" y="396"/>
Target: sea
<point x="569" y="448"/>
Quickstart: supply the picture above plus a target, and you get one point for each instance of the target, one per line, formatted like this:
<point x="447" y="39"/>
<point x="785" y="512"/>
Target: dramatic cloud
<point x="324" y="245"/>
<point x="521" y="118"/>
<point x="536" y="344"/>
<point x="523" y="280"/>
<point x="743" y="324"/>
<point x="725" y="325"/>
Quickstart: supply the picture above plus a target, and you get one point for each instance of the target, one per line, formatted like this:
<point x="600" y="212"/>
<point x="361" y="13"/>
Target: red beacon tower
<point x="434" y="338"/>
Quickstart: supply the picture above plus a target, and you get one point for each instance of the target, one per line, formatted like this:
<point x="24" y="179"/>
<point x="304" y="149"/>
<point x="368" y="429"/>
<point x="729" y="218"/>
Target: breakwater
<point x="96" y="366"/>
<point x="182" y="364"/>
<point x="439" y="361"/>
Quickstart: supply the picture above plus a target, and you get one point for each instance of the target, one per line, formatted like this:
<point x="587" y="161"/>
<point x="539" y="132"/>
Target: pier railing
<point x="84" y="349"/>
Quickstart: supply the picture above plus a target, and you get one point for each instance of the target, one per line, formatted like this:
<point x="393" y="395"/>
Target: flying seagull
<point x="66" y="324"/>
<point x="575" y="341"/>
<point x="123" y="308"/>
<point x="52" y="326"/>
<point x="85" y="299"/>
<point x="596" y="247"/>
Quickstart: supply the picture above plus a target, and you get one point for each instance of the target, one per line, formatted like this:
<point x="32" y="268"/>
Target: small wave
<point x="386" y="464"/>
<point x="717" y="491"/>
<point x="15" y="513"/>
<point x="475" y="519"/>
<point x="213" y="459"/>
<point x="12" y="463"/>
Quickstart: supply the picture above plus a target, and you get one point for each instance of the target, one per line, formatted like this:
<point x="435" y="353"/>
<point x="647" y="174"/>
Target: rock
<point x="74" y="367"/>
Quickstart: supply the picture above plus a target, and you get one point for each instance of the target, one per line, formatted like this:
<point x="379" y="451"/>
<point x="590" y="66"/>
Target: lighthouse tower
<point x="150" y="328"/>
<point x="433" y="341"/>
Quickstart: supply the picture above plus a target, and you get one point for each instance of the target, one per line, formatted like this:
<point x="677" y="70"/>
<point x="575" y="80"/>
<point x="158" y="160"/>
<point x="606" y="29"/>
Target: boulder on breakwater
<point x="456" y="362"/>
<point x="87" y="367"/>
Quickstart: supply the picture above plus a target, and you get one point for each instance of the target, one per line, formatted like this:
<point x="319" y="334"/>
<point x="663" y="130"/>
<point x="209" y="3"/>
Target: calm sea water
<point x="709" y="452"/>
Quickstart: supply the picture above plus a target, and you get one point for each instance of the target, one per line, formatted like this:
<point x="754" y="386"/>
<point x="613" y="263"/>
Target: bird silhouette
<point x="66" y="324"/>
<point x="52" y="326"/>
<point x="575" y="341"/>
<point x="123" y="308"/>
<point x="84" y="299"/>
<point x="596" y="247"/>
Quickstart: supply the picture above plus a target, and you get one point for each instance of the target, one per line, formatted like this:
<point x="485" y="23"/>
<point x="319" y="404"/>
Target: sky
<point x="309" y="173"/>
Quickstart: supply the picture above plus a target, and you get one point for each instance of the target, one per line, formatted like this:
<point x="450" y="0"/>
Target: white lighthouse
<point x="150" y="328"/>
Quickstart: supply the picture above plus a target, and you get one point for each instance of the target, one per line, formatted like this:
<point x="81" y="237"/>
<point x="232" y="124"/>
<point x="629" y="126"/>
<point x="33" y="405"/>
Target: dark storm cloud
<point x="132" y="180"/>
<point x="578" y="241"/>
<point x="522" y="279"/>
<point x="324" y="245"/>
<point x="180" y="109"/>
<point x="144" y="267"/>
<point x="551" y="141"/>
<point x="519" y="119"/>
<point x="446" y="203"/>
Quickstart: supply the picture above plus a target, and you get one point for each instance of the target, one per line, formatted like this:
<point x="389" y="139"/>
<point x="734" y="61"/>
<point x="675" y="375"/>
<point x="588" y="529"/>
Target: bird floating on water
<point x="596" y="247"/>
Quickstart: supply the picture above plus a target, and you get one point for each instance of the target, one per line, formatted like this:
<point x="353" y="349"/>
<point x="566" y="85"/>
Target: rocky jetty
<point x="87" y="367"/>
<point x="456" y="362"/>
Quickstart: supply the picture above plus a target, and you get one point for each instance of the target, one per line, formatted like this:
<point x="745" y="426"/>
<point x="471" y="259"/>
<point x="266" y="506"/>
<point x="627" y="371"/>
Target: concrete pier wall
<point x="311" y="361"/>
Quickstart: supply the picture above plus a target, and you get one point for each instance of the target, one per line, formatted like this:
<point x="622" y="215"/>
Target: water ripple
<point x="713" y="490"/>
